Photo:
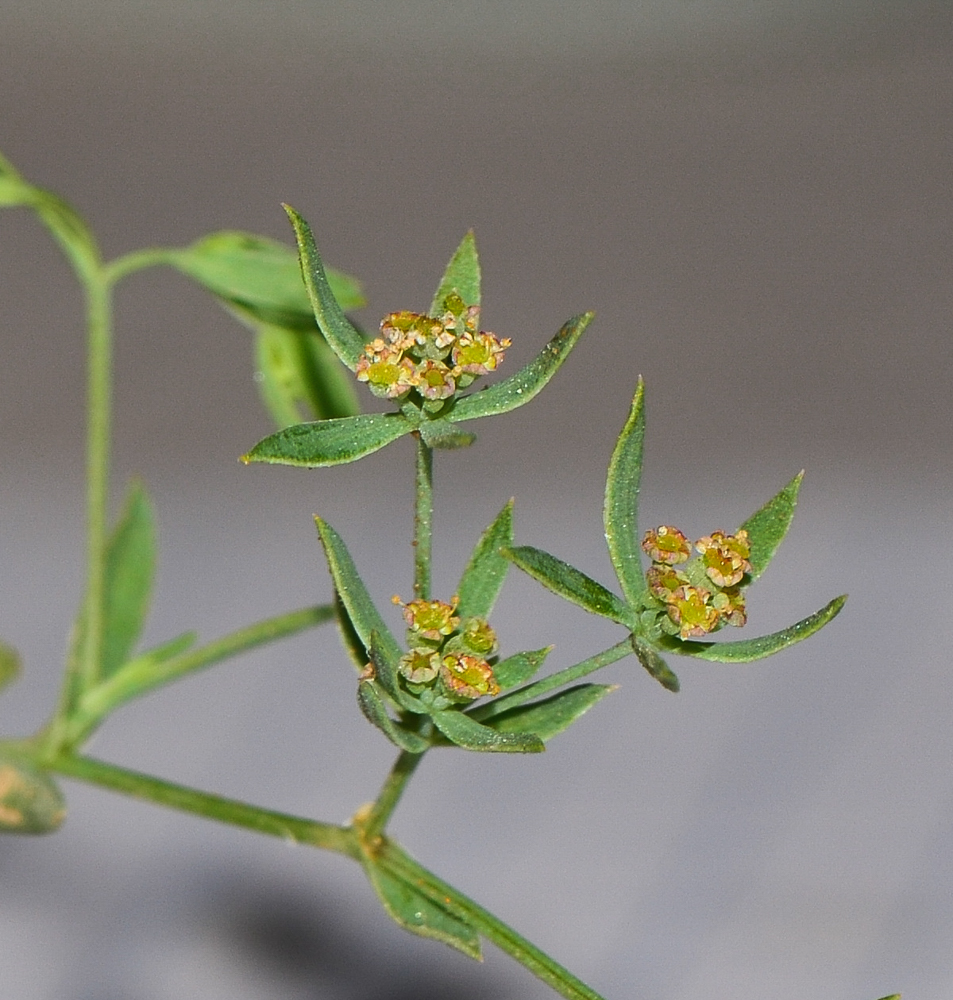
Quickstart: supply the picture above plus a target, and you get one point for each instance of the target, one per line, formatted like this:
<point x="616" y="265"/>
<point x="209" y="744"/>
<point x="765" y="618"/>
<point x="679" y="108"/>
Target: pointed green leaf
<point x="362" y="613"/>
<point x="9" y="665"/>
<point x="518" y="668"/>
<point x="421" y="913"/>
<point x="482" y="579"/>
<point x="768" y="526"/>
<point x="549" y="717"/>
<point x="747" y="650"/>
<point x="570" y="583"/>
<point x="15" y="192"/>
<point x="330" y="442"/>
<point x="298" y="369"/>
<point x="356" y="650"/>
<point x="171" y="649"/>
<point x="344" y="339"/>
<point x="130" y="568"/>
<point x="655" y="665"/>
<point x="472" y="735"/>
<point x="461" y="276"/>
<point x="375" y="711"/>
<point x="260" y="277"/>
<point x="385" y="672"/>
<point x="525" y="384"/>
<point x="30" y="801"/>
<point x="621" y="513"/>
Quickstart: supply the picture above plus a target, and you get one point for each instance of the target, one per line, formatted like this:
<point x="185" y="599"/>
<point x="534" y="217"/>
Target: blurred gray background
<point x="756" y="200"/>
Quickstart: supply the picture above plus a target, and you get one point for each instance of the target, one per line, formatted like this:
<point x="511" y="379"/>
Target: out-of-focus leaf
<point x="747" y="650"/>
<point x="130" y="568"/>
<point x="442" y="434"/>
<point x="549" y="717"/>
<point x="570" y="583"/>
<point x="330" y="442"/>
<point x="375" y="711"/>
<point x="621" y="513"/>
<point x="482" y="579"/>
<point x="767" y="527"/>
<point x="654" y="664"/>
<point x="9" y="665"/>
<point x="419" y="912"/>
<point x="362" y="613"/>
<point x="344" y="339"/>
<point x="297" y="368"/>
<point x="525" y="384"/>
<point x="259" y="276"/>
<point x="461" y="276"/>
<point x="30" y="801"/>
<point x="472" y="735"/>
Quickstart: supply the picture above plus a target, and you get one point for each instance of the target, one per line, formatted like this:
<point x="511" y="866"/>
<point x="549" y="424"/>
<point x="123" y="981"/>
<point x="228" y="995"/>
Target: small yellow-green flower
<point x="467" y="676"/>
<point x="730" y="605"/>
<point x="479" y="353"/>
<point x="385" y="370"/>
<point x="666" y="545"/>
<point x="725" y="557"/>
<point x="420" y="666"/>
<point x="478" y="636"/>
<point x="664" y="580"/>
<point x="434" y="380"/>
<point x="690" y="611"/>
<point x="430" y="619"/>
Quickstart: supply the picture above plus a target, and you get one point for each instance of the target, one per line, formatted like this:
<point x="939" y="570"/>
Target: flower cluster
<point x="704" y="594"/>
<point x="447" y="653"/>
<point x="433" y="356"/>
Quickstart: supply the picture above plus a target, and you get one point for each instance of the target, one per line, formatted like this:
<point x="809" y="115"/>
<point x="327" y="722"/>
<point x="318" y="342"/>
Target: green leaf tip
<point x="462" y="276"/>
<point x="767" y="526"/>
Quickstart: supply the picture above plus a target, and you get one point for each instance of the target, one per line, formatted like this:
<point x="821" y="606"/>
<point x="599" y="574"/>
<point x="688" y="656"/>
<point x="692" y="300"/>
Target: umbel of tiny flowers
<point x="422" y="362"/>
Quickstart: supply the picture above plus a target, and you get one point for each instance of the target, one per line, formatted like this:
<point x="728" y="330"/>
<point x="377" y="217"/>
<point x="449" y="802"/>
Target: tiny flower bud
<point x="666" y="545"/>
<point x="478" y="636"/>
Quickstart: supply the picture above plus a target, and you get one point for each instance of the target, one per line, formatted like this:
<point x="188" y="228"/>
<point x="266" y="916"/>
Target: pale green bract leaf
<point x="654" y="664"/>
<point x="514" y="670"/>
<point x="550" y="716"/>
<point x="375" y="711"/>
<point x="526" y="383"/>
<point x="361" y="610"/>
<point x="330" y="442"/>
<point x="298" y="369"/>
<point x="442" y="434"/>
<point x="472" y="735"/>
<point x="9" y="665"/>
<point x="346" y="341"/>
<point x="767" y="527"/>
<point x="747" y="650"/>
<point x="570" y="583"/>
<point x="483" y="578"/>
<point x="621" y="512"/>
<point x="461" y="276"/>
<point x="418" y="912"/>
<point x="259" y="276"/>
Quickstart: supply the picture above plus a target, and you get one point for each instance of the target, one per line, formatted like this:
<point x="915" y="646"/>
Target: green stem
<point x="390" y="793"/>
<point x="136" y="260"/>
<point x="423" y="519"/>
<point x="214" y="807"/>
<point x="146" y="672"/>
<point x="392" y="858"/>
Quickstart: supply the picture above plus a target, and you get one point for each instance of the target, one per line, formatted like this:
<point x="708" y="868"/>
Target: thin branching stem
<point x="423" y="519"/>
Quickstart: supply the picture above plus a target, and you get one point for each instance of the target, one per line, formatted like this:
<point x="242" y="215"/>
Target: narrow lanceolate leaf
<point x="549" y="717"/>
<point x="375" y="711"/>
<point x="421" y="913"/>
<point x="442" y="434"/>
<point x="330" y="442"/>
<point x="472" y="735"/>
<point x="518" y="669"/>
<point x="482" y="579"/>
<point x="570" y="583"/>
<point x="346" y="341"/>
<point x="461" y="276"/>
<point x="130" y="568"/>
<point x="260" y="277"/>
<point x="747" y="650"/>
<point x="654" y="664"/>
<point x="9" y="665"/>
<point x="384" y="663"/>
<point x="621" y="512"/>
<point x="15" y="192"/>
<point x="300" y="378"/>
<point x="525" y="384"/>
<point x="362" y="613"/>
<point x="767" y="527"/>
<point x="30" y="801"/>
